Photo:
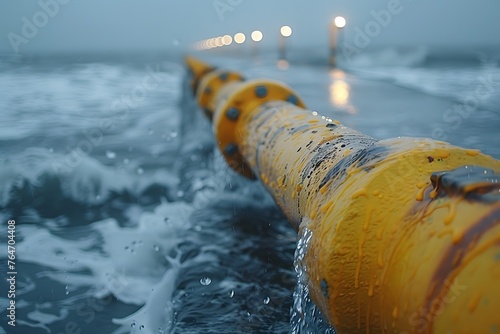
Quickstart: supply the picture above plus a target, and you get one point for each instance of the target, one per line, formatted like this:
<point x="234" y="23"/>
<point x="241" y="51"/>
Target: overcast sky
<point x="121" y="25"/>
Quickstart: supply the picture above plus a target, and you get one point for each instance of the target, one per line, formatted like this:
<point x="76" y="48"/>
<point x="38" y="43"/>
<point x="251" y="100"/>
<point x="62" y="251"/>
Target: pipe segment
<point x="404" y="232"/>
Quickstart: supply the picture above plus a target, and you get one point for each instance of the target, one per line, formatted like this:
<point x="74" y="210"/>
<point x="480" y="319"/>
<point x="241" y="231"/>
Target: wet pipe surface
<point x="404" y="232"/>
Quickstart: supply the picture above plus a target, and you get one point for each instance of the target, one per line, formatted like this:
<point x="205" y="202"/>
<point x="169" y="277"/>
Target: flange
<point x="242" y="101"/>
<point x="210" y="87"/>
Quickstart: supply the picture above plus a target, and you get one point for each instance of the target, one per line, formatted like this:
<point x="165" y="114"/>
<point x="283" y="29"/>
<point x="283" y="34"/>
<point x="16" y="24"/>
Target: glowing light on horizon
<point x="339" y="22"/>
<point x="227" y="40"/>
<point x="240" y="38"/>
<point x="219" y="41"/>
<point x="257" y="36"/>
<point x="286" y="31"/>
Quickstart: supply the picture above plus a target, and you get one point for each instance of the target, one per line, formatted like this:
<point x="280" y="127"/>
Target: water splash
<point x="305" y="317"/>
<point x="205" y="281"/>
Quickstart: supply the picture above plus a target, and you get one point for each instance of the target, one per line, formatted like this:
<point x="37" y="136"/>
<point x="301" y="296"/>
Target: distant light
<point x="227" y="40"/>
<point x="282" y="64"/>
<point x="257" y="36"/>
<point x="239" y="38"/>
<point x="218" y="41"/>
<point x="211" y="43"/>
<point x="286" y="31"/>
<point x="340" y="22"/>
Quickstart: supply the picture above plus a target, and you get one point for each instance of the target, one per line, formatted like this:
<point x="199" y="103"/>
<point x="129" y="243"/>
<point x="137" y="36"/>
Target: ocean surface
<point x="128" y="219"/>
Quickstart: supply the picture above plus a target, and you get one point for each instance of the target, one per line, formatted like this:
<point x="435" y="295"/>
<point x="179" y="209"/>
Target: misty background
<point x="175" y="25"/>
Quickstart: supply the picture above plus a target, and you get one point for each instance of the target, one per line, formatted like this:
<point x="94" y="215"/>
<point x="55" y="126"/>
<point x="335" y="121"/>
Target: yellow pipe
<point x="404" y="233"/>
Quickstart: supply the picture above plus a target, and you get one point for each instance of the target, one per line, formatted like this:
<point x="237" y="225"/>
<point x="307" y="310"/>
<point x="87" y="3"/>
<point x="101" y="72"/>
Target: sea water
<point x="127" y="218"/>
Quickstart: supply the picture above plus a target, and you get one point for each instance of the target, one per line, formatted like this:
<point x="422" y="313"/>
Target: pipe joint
<point x="235" y="108"/>
<point x="210" y="86"/>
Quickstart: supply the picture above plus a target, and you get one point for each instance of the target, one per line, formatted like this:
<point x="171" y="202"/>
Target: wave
<point x="472" y="79"/>
<point x="41" y="178"/>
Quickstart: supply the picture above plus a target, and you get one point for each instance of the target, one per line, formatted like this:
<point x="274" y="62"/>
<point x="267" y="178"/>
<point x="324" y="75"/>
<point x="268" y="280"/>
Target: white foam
<point x="123" y="261"/>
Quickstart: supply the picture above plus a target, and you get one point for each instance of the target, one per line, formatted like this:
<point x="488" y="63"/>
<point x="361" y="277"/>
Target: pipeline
<point x="405" y="232"/>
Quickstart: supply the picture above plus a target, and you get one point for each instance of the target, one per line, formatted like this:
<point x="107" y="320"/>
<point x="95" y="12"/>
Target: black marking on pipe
<point x="338" y="171"/>
<point x="373" y="152"/>
<point x="324" y="153"/>
<point x="267" y="134"/>
<point x="297" y="129"/>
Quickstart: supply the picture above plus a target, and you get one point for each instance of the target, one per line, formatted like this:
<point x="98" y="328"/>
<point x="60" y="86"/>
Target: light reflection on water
<point x="340" y="92"/>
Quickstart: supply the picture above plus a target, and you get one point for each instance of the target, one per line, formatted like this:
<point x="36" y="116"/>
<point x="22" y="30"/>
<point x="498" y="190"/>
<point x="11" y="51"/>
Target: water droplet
<point x="142" y="327"/>
<point x="166" y="219"/>
<point x="110" y="154"/>
<point x="266" y="300"/>
<point x="205" y="281"/>
<point x="231" y="294"/>
<point x="156" y="248"/>
<point x="173" y="134"/>
<point x="140" y="171"/>
<point x="161" y="331"/>
<point x="132" y="324"/>
<point x="67" y="290"/>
